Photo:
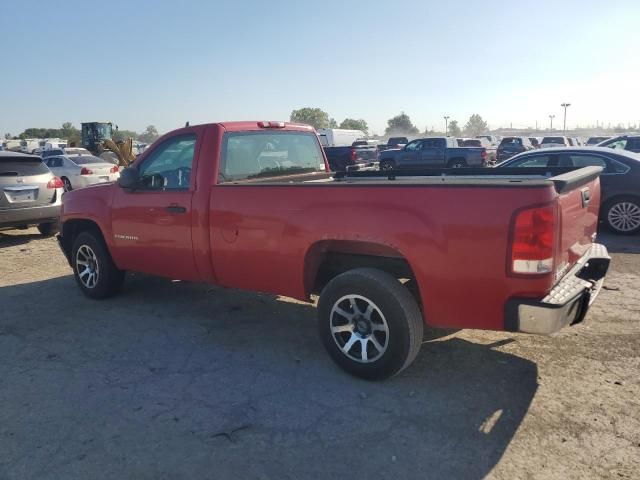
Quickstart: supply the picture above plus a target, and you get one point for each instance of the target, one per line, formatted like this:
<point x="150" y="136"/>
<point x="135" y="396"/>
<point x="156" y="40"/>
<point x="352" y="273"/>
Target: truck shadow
<point x="185" y="374"/>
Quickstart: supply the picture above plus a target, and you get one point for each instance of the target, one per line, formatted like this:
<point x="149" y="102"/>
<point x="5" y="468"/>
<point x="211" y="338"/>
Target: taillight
<point x="114" y="169"/>
<point x="85" y="171"/>
<point x="353" y="155"/>
<point x="55" y="182"/>
<point x="533" y="240"/>
<point x="483" y="153"/>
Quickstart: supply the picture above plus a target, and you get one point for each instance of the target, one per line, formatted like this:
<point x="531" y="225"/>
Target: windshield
<point x="248" y="155"/>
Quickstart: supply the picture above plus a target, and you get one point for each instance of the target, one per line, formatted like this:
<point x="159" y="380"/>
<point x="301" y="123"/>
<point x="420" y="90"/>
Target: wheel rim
<point x="67" y="185"/>
<point x="87" y="266"/>
<point x="624" y="216"/>
<point x="359" y="328"/>
<point x="386" y="166"/>
<point x="458" y="165"/>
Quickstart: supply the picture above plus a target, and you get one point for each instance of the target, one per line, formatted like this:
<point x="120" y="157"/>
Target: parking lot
<point x="179" y="380"/>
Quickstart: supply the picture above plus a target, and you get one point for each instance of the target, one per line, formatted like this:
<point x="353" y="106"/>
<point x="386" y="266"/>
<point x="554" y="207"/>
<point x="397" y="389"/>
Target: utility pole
<point x="564" y="126"/>
<point x="446" y="125"/>
<point x="551" y="117"/>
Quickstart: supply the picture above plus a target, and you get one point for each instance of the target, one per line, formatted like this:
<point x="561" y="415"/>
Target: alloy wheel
<point x="87" y="266"/>
<point x="624" y="216"/>
<point x="359" y="328"/>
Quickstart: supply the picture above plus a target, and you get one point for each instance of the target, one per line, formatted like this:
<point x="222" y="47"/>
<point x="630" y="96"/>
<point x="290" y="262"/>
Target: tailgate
<point x="578" y="209"/>
<point x="366" y="153"/>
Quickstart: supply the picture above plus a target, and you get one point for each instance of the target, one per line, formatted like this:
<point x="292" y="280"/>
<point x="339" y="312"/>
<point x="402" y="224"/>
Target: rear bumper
<point x="567" y="303"/>
<point x="23" y="217"/>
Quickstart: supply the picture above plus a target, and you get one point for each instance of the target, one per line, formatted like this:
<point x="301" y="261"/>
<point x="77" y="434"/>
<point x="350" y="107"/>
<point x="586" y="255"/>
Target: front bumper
<point x="567" y="303"/>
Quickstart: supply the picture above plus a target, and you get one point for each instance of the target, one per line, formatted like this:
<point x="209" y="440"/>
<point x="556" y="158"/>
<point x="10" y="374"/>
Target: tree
<point x="333" y="123"/>
<point x="400" y="124"/>
<point x="454" y="129"/>
<point x="122" y="135"/>
<point x="7" y="136"/>
<point x="315" y="117"/>
<point x="475" y="126"/>
<point x="149" y="135"/>
<point x="352" y="124"/>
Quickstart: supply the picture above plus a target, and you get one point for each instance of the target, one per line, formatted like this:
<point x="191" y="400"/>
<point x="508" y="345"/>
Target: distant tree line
<point x="401" y="124"/>
<point x="69" y="132"/>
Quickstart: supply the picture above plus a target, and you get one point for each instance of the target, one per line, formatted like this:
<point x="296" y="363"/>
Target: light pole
<point x="551" y="117"/>
<point x="564" y="126"/>
<point x="446" y="125"/>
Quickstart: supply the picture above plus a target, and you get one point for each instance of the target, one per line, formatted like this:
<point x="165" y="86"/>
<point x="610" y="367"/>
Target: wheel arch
<point x="73" y="227"/>
<point x="327" y="259"/>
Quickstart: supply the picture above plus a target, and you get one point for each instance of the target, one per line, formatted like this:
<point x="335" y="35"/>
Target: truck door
<point x="432" y="154"/>
<point x="151" y="225"/>
<point x="410" y="155"/>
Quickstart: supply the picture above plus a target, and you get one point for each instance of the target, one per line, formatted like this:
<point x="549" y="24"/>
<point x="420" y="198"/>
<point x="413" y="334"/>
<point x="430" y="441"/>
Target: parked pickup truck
<point x="356" y="157"/>
<point x="250" y="205"/>
<point x="436" y="152"/>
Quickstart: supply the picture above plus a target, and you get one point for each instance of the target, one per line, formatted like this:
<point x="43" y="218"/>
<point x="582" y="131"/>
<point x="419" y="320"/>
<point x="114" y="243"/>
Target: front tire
<point x="94" y="270"/>
<point x="387" y="165"/>
<point x="622" y="215"/>
<point x="369" y="323"/>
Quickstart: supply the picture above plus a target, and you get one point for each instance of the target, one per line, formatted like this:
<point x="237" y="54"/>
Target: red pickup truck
<point x="251" y="205"/>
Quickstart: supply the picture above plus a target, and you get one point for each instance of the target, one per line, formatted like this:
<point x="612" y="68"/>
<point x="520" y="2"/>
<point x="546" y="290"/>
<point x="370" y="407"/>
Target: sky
<point x="164" y="62"/>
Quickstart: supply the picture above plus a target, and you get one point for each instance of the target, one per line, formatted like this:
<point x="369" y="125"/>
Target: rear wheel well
<point x="72" y="228"/>
<point x="329" y="264"/>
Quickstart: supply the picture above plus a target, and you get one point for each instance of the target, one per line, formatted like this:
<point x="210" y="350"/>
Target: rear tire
<point x="369" y="323"/>
<point x="47" y="229"/>
<point x="93" y="268"/>
<point x="622" y="215"/>
<point x="456" y="163"/>
<point x="66" y="184"/>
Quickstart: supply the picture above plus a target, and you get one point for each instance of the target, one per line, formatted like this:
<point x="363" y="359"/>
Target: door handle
<point x="175" y="209"/>
<point x="586" y="197"/>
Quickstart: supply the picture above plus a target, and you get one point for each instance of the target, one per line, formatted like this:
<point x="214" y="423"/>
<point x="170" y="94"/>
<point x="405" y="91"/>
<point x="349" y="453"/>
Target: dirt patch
<point x="180" y="380"/>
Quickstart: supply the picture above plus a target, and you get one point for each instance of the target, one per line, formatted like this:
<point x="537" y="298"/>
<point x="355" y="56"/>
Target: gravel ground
<point x="174" y="380"/>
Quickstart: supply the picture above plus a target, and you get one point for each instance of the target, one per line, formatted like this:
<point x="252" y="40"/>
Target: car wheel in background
<point x="387" y="165"/>
<point x="47" y="229"/>
<point x="66" y="184"/>
<point x="369" y="323"/>
<point x="94" y="270"/>
<point x="622" y="215"/>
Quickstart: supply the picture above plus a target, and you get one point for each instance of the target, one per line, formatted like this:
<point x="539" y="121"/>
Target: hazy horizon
<point x="136" y="65"/>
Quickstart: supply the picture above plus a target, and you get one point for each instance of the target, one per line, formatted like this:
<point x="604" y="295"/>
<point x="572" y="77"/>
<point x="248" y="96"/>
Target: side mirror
<point x="129" y="178"/>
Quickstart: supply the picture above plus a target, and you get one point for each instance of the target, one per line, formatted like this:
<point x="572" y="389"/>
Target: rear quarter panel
<point x="454" y="238"/>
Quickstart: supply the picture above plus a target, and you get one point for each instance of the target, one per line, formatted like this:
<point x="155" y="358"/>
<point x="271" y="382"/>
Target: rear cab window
<point x="259" y="155"/>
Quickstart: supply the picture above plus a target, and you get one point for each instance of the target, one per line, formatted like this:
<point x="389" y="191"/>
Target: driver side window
<point x="414" y="146"/>
<point x="168" y="167"/>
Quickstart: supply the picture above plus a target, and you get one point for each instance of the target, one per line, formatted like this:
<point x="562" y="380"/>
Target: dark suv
<point x="510" y="146"/>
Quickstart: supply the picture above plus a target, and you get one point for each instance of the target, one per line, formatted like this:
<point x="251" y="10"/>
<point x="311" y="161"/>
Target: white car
<point x="77" y="171"/>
